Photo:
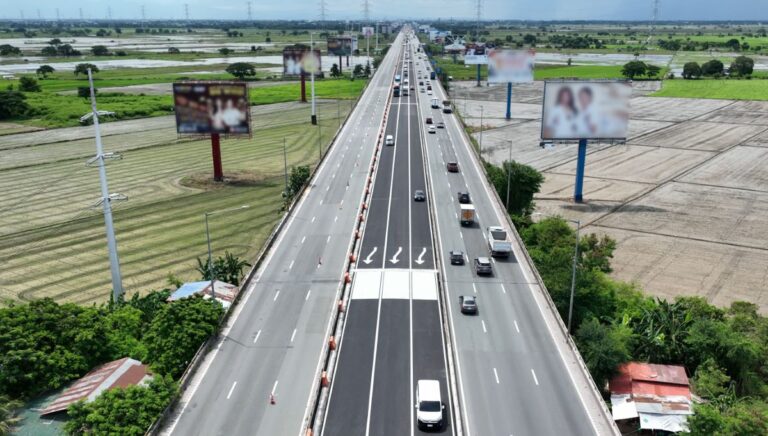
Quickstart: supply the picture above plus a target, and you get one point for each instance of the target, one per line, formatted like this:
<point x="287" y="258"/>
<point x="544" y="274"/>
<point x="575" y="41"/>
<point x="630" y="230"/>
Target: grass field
<point x="718" y="89"/>
<point x="56" y="110"/>
<point x="459" y="71"/>
<point x="52" y="242"/>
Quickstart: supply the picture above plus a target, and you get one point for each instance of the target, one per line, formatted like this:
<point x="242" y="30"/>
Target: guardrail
<point x="206" y="347"/>
<point x="501" y="210"/>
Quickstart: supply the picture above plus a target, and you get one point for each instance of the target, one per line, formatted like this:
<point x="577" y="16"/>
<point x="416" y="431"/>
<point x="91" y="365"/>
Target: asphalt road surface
<point x="512" y="377"/>
<point x="274" y="339"/>
<point x="393" y="334"/>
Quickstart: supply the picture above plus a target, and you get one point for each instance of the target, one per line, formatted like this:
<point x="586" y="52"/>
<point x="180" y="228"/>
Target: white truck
<point x="467" y="214"/>
<point x="498" y="242"/>
<point x="435" y="103"/>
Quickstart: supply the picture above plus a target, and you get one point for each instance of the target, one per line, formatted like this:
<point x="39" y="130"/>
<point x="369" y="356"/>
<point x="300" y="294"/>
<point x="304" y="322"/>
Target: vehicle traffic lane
<point x="398" y="252"/>
<point x="423" y="253"/>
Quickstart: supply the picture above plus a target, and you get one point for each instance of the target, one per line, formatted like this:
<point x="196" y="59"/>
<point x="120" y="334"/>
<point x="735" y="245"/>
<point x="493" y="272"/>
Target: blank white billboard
<point x="585" y="110"/>
<point x="510" y="66"/>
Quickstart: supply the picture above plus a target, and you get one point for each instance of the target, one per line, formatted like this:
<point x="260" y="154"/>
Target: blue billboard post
<point x="509" y="100"/>
<point x="580" y="164"/>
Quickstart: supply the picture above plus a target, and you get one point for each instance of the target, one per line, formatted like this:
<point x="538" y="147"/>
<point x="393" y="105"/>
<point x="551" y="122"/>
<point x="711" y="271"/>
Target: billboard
<point x="585" y="110"/>
<point x="340" y="46"/>
<point x="298" y="59"/>
<point x="510" y="66"/>
<point x="367" y="32"/>
<point x="475" y="55"/>
<point x="204" y="108"/>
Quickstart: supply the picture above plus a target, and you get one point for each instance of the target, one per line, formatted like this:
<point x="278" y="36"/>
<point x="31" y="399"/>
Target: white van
<point x="429" y="406"/>
<point x="389" y="140"/>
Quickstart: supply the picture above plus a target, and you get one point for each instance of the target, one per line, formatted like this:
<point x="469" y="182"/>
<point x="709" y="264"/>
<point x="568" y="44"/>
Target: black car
<point x="483" y="266"/>
<point x="468" y="304"/>
<point x="457" y="257"/>
<point x="464" y="198"/>
<point x="419" y="195"/>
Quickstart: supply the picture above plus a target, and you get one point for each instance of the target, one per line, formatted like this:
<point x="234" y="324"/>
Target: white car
<point x="429" y="92"/>
<point x="432" y="129"/>
<point x="389" y="140"/>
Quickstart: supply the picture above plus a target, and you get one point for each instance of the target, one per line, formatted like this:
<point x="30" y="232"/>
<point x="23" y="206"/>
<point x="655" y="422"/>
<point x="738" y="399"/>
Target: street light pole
<point x="481" y="130"/>
<point x="573" y="272"/>
<point x="211" y="270"/>
<point x="509" y="174"/>
<point x="312" y="79"/>
<point x="285" y="166"/>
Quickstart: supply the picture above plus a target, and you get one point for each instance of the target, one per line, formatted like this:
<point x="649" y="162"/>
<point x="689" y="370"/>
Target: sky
<point x="395" y="9"/>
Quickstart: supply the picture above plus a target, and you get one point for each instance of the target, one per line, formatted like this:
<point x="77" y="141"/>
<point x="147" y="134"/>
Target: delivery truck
<point x="498" y="242"/>
<point x="467" y="214"/>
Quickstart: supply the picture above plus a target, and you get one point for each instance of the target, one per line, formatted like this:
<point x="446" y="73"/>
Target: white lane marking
<point x="258" y="333"/>
<point x="328" y="188"/>
<point x="274" y="387"/>
<point x="394" y="259"/>
<point x="336" y="218"/>
<point x="516" y="327"/>
<point x="477" y="215"/>
<point x="309" y="291"/>
<point x="503" y="289"/>
<point x="420" y="260"/>
<point x="231" y="390"/>
<point x="496" y="375"/>
<point x="341" y="204"/>
<point x="462" y="235"/>
<point x="293" y="335"/>
<point x="328" y="239"/>
<point x="457" y="215"/>
<point x="291" y="265"/>
<point x="484" y="329"/>
<point x="303" y="239"/>
<point x="474" y="288"/>
<point x="313" y="219"/>
<point x="493" y="259"/>
<point x="276" y="294"/>
<point x="533" y="373"/>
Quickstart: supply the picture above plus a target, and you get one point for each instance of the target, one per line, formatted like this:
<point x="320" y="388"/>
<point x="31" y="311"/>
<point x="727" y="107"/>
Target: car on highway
<point x="389" y="140"/>
<point x="452" y="167"/>
<point x="468" y="304"/>
<point x="419" y="195"/>
<point x="483" y="266"/>
<point x="464" y="198"/>
<point x="441" y="125"/>
<point x="428" y="120"/>
<point x="429" y="92"/>
<point x="429" y="405"/>
<point x="457" y="257"/>
<point x="421" y="90"/>
<point x="432" y="129"/>
<point x="421" y="83"/>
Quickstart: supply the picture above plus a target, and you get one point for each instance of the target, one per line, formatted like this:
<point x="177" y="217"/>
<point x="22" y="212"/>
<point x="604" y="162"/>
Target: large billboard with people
<point x="585" y="110"/>
<point x="300" y="59"/>
<point x="205" y="108"/>
<point x="510" y="66"/>
<point x="475" y="54"/>
<point x="341" y="45"/>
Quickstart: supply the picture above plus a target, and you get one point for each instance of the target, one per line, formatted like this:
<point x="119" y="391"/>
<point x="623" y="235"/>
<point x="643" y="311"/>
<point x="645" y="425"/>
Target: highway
<point x="393" y="334"/>
<point x="512" y="376"/>
<point x="273" y="341"/>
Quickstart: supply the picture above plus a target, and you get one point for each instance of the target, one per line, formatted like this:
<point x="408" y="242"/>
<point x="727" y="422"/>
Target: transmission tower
<point x="39" y="15"/>
<point x="21" y="14"/>
<point x="479" y="12"/>
<point x="143" y="15"/>
<point x="322" y="10"/>
<point x="250" y="14"/>
<point x="654" y="20"/>
<point x="366" y="10"/>
<point x="81" y="13"/>
<point x="109" y="12"/>
<point x="58" y="17"/>
<point x="186" y="11"/>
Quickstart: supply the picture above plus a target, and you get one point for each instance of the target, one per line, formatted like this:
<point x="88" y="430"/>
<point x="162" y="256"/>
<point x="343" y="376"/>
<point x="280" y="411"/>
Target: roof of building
<point x="225" y="293"/>
<point x="117" y="374"/>
<point x="659" y="395"/>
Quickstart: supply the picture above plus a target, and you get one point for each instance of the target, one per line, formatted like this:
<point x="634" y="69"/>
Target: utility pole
<point x="114" y="263"/>
<point x="481" y="130"/>
<point x="211" y="270"/>
<point x="322" y="11"/>
<point x="573" y="273"/>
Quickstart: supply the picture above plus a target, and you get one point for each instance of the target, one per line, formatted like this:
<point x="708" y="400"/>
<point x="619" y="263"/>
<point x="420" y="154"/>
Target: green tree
<point x="228" y="268"/>
<point x="712" y="68"/>
<point x="604" y="348"/>
<point x="28" y="84"/>
<point x="733" y="44"/>
<point x="45" y="70"/>
<point x="83" y="69"/>
<point x="691" y="70"/>
<point x="173" y="50"/>
<point x="241" y="70"/>
<point x="742" y="66"/>
<point x="661" y="333"/>
<point x="100" y="50"/>
<point x="529" y="39"/>
<point x="226" y="51"/>
<point x="710" y="381"/>
<point x="124" y="411"/>
<point x="653" y="71"/>
<point x="297" y="179"/>
<point x="335" y="71"/>
<point x="8" y="418"/>
<point x="9" y="50"/>
<point x="634" y="69"/>
<point x="177" y="331"/>
<point x="525" y="184"/>
<point x="13" y="104"/>
<point x="368" y="70"/>
<point x="357" y="71"/>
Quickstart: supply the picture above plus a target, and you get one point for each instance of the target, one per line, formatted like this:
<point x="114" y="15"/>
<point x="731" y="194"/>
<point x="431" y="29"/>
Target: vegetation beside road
<point x="756" y="89"/>
<point x="724" y="350"/>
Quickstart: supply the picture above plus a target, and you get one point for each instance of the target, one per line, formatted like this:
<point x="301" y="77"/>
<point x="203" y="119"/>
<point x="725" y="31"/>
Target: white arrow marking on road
<point x="368" y="259"/>
<point x="423" y="252"/>
<point x="394" y="258"/>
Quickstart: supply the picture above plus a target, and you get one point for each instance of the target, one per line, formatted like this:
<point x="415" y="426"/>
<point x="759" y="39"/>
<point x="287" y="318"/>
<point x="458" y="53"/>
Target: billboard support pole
<point x="478" y="75"/>
<point x="341" y="64"/>
<point x="509" y="100"/>
<point x="303" y="87"/>
<point x="218" y="172"/>
<point x="580" y="164"/>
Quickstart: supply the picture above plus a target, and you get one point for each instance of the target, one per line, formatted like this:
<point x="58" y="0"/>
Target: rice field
<point x="52" y="240"/>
